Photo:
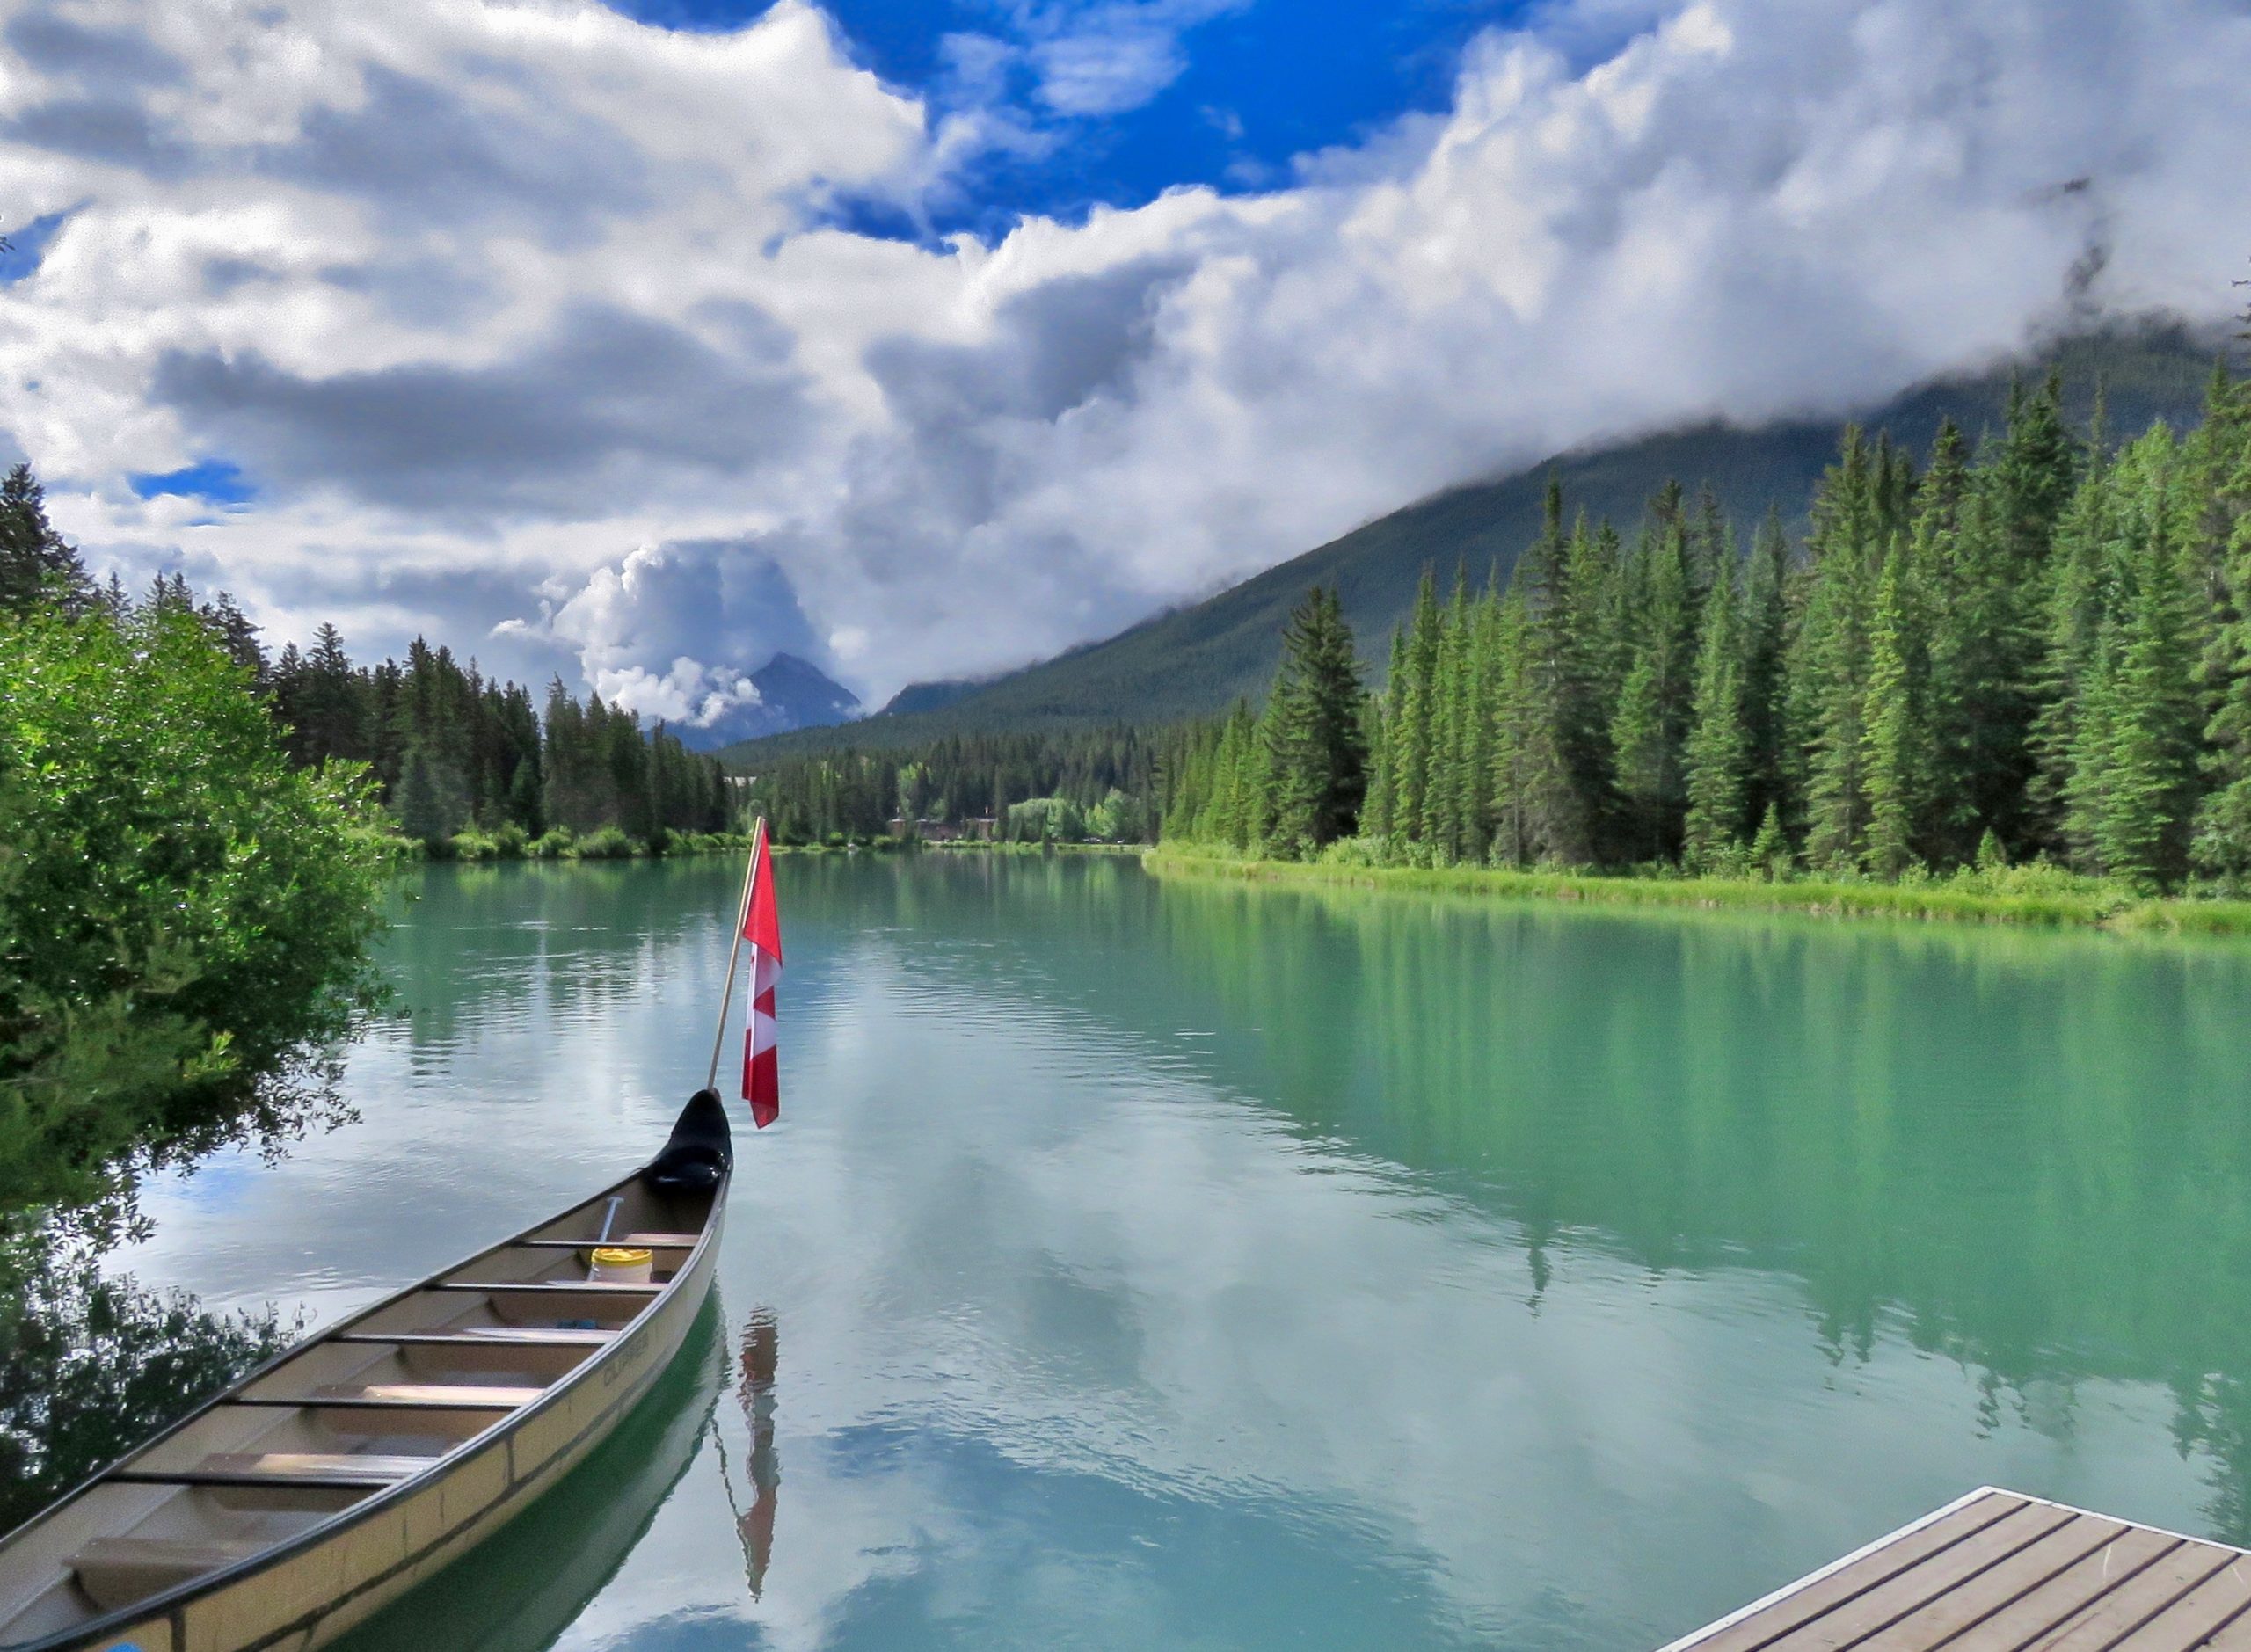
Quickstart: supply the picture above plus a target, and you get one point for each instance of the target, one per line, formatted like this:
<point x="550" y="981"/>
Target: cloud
<point x="1113" y="55"/>
<point x="674" y="631"/>
<point x="485" y="295"/>
<point x="608" y="407"/>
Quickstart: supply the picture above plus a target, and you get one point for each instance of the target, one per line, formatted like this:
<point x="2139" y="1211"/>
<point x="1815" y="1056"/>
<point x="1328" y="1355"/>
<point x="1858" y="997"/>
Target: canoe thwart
<point x="646" y="1241"/>
<point x="460" y="1395"/>
<point x="530" y="1336"/>
<point x="400" y="1396"/>
<point x="117" y="1571"/>
<point x="599" y="1287"/>
<point x="284" y="1468"/>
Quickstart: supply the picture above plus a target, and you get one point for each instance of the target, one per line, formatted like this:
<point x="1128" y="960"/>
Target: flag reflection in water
<point x="762" y="1352"/>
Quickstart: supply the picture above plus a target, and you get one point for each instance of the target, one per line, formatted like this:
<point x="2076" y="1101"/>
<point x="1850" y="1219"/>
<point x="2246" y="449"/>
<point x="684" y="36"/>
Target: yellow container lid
<point x="620" y="1257"/>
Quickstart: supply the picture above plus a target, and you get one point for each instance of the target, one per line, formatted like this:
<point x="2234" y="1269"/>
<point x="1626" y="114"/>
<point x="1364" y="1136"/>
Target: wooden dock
<point x="1996" y="1571"/>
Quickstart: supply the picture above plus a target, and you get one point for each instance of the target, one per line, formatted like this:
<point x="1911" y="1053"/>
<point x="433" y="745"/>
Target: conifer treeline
<point x="455" y="750"/>
<point x="2043" y="649"/>
<point x="1107" y="777"/>
<point x="450" y="750"/>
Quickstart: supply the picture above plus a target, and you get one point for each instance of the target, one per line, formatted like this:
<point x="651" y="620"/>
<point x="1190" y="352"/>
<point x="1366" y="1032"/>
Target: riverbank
<point x="2032" y="895"/>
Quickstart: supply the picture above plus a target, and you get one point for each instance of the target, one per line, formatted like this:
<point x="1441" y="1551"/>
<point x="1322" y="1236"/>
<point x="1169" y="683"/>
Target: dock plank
<point x="2199" y="1616"/>
<point x="2061" y="1598"/>
<point x="1859" y="1621"/>
<point x="2000" y="1586"/>
<point x="2106" y="1621"/>
<point x="1999" y="1572"/>
<point x="1870" y="1571"/>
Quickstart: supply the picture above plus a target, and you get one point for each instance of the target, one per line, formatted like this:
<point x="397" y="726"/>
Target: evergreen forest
<point x="2034" y="646"/>
<point x="470" y="766"/>
<point x="1062" y="786"/>
<point x="464" y="764"/>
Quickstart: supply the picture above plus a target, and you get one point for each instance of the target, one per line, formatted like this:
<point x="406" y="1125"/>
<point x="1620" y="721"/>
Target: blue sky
<point x="1257" y="85"/>
<point x="639" y="352"/>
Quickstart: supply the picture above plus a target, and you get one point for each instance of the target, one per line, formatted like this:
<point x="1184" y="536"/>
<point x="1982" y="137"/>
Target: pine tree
<point x="1513" y="805"/>
<point x="2223" y="827"/>
<point x="1556" y="756"/>
<point x="1649" y="724"/>
<point x="1473" y="758"/>
<point x="1992" y="613"/>
<point x="1412" y="722"/>
<point x="36" y="565"/>
<point x="1898" y="737"/>
<point x="1766" y="646"/>
<point x="1442" y="813"/>
<point x="1378" y="814"/>
<point x="1718" y="754"/>
<point x="2149" y="789"/>
<point x="1830" y="674"/>
<point x="1313" y="730"/>
<point x="1770" y="850"/>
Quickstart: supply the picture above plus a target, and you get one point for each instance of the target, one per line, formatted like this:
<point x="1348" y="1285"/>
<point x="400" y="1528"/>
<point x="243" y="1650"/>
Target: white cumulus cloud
<point x="480" y="296"/>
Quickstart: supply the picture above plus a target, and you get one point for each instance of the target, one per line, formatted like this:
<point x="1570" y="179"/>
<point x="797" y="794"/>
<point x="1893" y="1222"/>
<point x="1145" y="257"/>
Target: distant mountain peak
<point x="792" y="693"/>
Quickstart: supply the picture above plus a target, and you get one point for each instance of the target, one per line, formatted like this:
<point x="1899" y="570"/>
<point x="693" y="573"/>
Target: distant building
<point x="978" y="829"/>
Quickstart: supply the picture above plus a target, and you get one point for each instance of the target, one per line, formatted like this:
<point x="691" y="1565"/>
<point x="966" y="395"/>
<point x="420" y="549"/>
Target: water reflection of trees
<point x="91" y="1364"/>
<point x="565" y="939"/>
<point x="2028" y="1153"/>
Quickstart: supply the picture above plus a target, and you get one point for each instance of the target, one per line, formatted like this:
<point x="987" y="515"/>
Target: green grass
<point x="2040" y="897"/>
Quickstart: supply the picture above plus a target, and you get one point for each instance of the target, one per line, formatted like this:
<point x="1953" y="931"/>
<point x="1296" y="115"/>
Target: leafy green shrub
<point x="470" y="845"/>
<point x="607" y="844"/>
<point x="1360" y="851"/>
<point x="178" y="906"/>
<point x="509" y="841"/>
<point x="554" y="844"/>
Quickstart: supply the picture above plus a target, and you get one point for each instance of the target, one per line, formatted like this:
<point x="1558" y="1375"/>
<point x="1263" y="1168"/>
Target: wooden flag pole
<point x="734" y="955"/>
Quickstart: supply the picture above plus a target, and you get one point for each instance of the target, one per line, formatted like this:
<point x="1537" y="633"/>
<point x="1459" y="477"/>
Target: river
<point x="1146" y="1264"/>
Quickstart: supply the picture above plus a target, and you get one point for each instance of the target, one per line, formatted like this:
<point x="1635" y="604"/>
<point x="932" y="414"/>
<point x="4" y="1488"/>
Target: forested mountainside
<point x="1197" y="661"/>
<point x="2037" y="654"/>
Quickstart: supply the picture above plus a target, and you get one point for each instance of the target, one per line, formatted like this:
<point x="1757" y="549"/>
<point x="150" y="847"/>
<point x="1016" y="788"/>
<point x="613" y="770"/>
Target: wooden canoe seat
<point x="470" y="1395"/>
<point x="670" y="1240"/>
<point x="572" y="1334"/>
<point x="370" y="1468"/>
<point x="536" y="1287"/>
<point x="117" y="1571"/>
<point x="531" y="1335"/>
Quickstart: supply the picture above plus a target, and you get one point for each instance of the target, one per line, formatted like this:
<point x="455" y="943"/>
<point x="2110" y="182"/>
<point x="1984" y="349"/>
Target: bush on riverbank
<point x="179" y="906"/>
<point x="510" y="842"/>
<point x="2036" y="895"/>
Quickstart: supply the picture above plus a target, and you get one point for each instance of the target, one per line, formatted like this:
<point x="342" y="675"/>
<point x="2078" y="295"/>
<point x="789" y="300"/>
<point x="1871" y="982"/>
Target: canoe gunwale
<point x="170" y="1603"/>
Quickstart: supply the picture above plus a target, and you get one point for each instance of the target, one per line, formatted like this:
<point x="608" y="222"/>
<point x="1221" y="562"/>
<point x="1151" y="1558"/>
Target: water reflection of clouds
<point x="1079" y="1349"/>
<point x="1319" y="1349"/>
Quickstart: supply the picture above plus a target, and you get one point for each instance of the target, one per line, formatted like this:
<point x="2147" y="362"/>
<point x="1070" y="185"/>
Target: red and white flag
<point x="762" y="927"/>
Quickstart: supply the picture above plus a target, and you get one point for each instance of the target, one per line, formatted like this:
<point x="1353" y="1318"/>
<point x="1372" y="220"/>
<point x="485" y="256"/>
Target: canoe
<point x="359" y="1462"/>
<point x="519" y="1591"/>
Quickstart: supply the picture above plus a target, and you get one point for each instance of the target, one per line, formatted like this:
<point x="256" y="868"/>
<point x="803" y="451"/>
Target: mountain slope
<point x="1195" y="660"/>
<point x="792" y="693"/>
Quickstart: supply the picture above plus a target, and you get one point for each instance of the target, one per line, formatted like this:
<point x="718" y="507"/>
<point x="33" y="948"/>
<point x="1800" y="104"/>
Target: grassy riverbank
<point x="2031" y="895"/>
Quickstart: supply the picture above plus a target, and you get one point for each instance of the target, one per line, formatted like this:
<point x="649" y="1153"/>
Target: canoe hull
<point x="308" y="1594"/>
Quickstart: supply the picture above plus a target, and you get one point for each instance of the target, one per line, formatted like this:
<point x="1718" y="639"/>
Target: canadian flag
<point x="762" y="927"/>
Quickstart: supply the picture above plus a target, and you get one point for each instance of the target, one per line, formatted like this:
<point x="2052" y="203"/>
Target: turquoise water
<point x="1177" y="1264"/>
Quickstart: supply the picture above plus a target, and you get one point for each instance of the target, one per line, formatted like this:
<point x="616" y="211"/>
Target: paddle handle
<point x="609" y="1219"/>
<point x="734" y="954"/>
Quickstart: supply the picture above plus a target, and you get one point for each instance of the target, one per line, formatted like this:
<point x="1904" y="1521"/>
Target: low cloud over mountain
<point x="532" y="322"/>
